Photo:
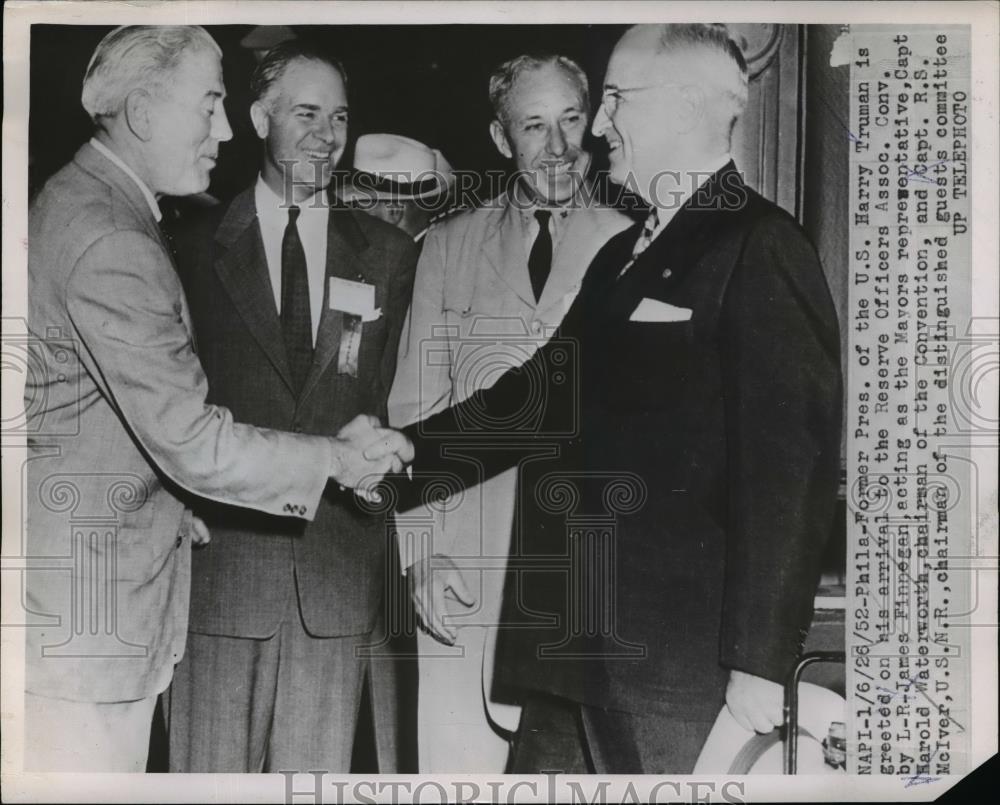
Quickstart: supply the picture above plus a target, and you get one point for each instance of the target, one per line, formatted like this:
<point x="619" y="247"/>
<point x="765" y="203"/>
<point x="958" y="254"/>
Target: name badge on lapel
<point x="356" y="300"/>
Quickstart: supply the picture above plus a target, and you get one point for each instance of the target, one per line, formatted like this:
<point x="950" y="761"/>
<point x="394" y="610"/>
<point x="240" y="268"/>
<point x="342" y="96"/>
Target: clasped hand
<point x="364" y="452"/>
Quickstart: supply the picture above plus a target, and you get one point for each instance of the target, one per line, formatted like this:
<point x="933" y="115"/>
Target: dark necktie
<point x="540" y="259"/>
<point x="296" y="321"/>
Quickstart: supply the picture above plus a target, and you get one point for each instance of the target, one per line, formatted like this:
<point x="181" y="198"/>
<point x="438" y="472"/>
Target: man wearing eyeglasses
<point x="670" y="551"/>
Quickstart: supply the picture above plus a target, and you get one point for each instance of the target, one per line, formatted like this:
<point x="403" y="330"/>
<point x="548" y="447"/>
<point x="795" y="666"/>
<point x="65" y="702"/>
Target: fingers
<point x="200" y="534"/>
<point x="441" y="630"/>
<point x="391" y="442"/>
<point x="755" y="703"/>
<point x="361" y="424"/>
<point x="455" y="584"/>
<point x="428" y="588"/>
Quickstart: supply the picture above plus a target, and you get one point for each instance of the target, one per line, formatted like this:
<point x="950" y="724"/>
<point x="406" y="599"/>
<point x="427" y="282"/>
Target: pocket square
<point x="653" y="310"/>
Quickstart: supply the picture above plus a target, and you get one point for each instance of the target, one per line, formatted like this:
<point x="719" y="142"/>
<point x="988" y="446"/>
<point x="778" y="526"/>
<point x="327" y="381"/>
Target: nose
<point x="221" y="131"/>
<point x="557" y="141"/>
<point x="601" y="122"/>
<point x="324" y="130"/>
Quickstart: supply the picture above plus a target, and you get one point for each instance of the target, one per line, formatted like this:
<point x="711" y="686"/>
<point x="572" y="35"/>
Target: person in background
<point x="123" y="436"/>
<point x="297" y="305"/>
<point x="400" y="181"/>
<point x="501" y="275"/>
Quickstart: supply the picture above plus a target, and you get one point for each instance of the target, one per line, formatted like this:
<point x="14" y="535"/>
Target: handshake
<point x="363" y="452"/>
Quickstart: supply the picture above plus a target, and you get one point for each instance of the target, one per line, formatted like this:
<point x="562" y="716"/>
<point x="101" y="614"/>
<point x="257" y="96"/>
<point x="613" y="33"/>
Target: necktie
<point x="296" y="321"/>
<point x="540" y="259"/>
<point x="645" y="238"/>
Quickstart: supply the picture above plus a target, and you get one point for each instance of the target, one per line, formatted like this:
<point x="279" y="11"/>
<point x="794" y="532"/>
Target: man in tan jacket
<point x="492" y="284"/>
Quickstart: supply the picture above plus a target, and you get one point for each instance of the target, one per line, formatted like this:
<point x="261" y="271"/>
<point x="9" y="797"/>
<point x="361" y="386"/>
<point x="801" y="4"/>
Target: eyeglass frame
<point x="618" y="92"/>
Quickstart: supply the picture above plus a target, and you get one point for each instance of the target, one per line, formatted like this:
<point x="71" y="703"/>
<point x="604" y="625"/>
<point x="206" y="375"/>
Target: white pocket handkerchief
<point x="653" y="310"/>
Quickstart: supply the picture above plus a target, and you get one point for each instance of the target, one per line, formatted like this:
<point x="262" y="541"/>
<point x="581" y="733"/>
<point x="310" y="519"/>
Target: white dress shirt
<point x="312" y="223"/>
<point x="146" y="192"/>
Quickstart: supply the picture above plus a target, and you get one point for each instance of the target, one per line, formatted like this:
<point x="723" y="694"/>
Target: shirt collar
<point x="705" y="173"/>
<point x="271" y="204"/>
<point x="146" y="192"/>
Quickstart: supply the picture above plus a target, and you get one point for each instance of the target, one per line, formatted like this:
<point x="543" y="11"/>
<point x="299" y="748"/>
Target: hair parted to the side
<point x="276" y="61"/>
<point x="137" y="57"/>
<point x="505" y="76"/>
<point x="713" y="38"/>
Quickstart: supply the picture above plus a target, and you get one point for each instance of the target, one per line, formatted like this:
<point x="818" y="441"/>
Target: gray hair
<point x="137" y="57"/>
<point x="505" y="76"/>
<point x="715" y="39"/>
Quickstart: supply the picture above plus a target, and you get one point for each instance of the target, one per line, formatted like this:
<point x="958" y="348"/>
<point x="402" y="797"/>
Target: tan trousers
<point x="66" y="736"/>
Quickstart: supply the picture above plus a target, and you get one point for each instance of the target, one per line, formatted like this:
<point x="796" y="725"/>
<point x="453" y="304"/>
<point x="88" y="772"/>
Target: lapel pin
<point x="666" y="273"/>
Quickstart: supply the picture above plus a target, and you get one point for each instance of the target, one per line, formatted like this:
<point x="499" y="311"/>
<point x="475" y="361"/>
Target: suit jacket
<point x="119" y="431"/>
<point x="243" y="580"/>
<point x="678" y="531"/>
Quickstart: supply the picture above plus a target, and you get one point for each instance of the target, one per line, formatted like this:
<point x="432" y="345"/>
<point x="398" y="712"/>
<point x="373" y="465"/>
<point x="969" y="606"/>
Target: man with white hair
<point x="121" y="435"/>
<point x="492" y="284"/>
<point x="670" y="551"/>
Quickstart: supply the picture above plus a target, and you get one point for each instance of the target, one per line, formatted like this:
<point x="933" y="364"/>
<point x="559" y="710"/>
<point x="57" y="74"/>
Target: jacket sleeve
<point x="478" y="420"/>
<point x="422" y="387"/>
<point x="126" y="304"/>
<point x="783" y="401"/>
<point x="400" y="289"/>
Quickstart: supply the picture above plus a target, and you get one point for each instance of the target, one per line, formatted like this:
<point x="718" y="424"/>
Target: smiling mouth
<point x="323" y="156"/>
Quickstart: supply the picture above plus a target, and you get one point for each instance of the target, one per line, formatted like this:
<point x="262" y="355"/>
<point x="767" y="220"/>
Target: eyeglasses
<point x="611" y="98"/>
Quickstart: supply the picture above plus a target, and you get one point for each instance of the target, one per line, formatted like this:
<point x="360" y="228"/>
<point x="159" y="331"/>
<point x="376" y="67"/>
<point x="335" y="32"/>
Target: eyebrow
<point x="313" y="107"/>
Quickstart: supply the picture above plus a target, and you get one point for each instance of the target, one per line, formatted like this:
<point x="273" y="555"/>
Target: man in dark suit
<point x="297" y="306"/>
<point x="666" y="557"/>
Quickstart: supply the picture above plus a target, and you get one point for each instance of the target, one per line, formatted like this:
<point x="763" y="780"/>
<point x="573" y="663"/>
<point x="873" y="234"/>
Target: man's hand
<point x="199" y="532"/>
<point x="431" y="581"/>
<point x="755" y="702"/>
<point x="364" y="451"/>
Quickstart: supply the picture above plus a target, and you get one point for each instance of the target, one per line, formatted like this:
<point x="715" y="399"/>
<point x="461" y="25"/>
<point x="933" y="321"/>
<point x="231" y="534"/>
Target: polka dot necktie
<point x="645" y="238"/>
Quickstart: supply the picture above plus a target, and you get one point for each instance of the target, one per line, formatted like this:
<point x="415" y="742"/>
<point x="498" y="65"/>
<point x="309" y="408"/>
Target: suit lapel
<point x="586" y="231"/>
<point x="242" y="269"/>
<point x="676" y="250"/>
<point x="345" y="247"/>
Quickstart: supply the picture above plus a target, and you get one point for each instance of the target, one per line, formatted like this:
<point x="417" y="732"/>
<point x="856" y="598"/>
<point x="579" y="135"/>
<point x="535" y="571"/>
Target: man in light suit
<point x="121" y="433"/>
<point x="492" y="283"/>
<point x="670" y="550"/>
<point x="282" y="612"/>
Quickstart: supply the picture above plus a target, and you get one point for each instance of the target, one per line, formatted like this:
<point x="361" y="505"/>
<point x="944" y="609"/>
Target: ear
<point x="259" y="118"/>
<point x="692" y="110"/>
<point x="500" y="139"/>
<point x="138" y="117"/>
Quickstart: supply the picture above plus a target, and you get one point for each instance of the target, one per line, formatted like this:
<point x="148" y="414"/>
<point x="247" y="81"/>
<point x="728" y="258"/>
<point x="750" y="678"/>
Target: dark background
<point x="421" y="81"/>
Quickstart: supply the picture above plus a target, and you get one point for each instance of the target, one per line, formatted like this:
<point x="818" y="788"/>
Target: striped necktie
<point x="645" y="238"/>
